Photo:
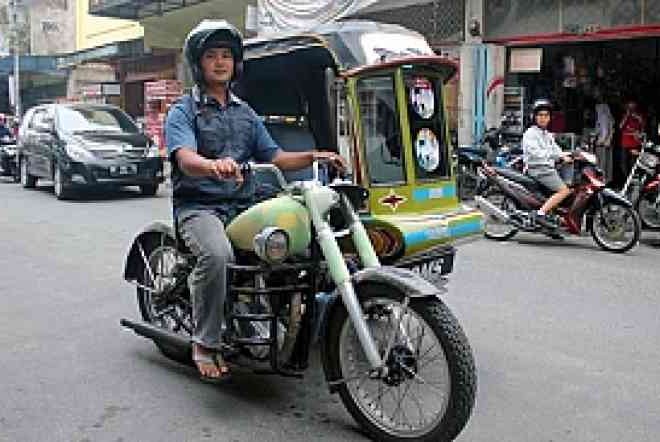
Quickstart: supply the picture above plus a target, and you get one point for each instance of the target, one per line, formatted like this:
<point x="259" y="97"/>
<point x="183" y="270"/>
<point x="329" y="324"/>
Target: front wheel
<point x="60" y="188"/>
<point x="429" y="391"/>
<point x="149" y="189"/>
<point x="616" y="228"/>
<point x="27" y="181"/>
<point x="649" y="210"/>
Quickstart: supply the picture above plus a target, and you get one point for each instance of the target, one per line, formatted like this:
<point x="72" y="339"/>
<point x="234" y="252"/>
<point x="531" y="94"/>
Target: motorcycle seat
<point x="518" y="177"/>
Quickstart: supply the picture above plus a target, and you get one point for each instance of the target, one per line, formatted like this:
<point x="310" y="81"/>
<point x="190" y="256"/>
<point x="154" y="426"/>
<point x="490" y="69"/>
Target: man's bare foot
<point x="211" y="366"/>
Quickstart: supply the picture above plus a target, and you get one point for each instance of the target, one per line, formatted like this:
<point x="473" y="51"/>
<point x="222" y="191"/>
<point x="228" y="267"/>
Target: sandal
<point x="214" y="358"/>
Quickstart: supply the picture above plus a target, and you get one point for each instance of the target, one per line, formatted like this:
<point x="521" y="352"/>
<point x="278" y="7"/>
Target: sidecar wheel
<point x="430" y="389"/>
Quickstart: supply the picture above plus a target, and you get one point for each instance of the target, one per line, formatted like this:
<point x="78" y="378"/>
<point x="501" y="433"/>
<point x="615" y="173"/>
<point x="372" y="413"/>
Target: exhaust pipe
<point x="491" y="209"/>
<point x="160" y="336"/>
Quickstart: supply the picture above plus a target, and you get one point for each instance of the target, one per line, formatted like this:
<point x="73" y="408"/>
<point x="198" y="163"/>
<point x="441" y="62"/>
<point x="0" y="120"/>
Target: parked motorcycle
<point x="491" y="150"/>
<point x="642" y="187"/>
<point x="8" y="164"/>
<point x="389" y="346"/>
<point x="510" y="199"/>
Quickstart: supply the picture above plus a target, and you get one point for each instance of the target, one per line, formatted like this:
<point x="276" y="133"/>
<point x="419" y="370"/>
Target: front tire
<point x="27" y="181"/>
<point x="437" y="345"/>
<point x="149" y="189"/>
<point x="649" y="210"/>
<point x="60" y="188"/>
<point x="616" y="228"/>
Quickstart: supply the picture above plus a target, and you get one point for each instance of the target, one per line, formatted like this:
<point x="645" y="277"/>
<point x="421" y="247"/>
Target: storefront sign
<point x="111" y="89"/>
<point x="525" y="60"/>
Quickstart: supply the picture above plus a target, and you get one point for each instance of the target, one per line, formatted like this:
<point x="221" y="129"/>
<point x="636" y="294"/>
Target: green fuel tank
<point x="284" y="212"/>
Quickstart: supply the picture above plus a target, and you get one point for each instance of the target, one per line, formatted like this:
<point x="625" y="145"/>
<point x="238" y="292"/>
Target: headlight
<point x="272" y="245"/>
<point x="78" y="152"/>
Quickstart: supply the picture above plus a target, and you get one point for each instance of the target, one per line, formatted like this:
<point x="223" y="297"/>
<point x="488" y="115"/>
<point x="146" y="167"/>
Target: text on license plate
<point x="429" y="268"/>
<point x="127" y="169"/>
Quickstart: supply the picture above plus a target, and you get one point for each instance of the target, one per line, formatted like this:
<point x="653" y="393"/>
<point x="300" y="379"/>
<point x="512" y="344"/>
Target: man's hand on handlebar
<point x="333" y="158"/>
<point x="566" y="157"/>
<point x="225" y="168"/>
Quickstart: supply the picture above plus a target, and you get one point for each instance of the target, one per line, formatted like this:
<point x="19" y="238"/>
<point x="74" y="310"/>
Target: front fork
<point x="319" y="201"/>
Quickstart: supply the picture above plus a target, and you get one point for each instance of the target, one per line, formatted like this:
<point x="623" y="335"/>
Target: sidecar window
<point x="381" y="131"/>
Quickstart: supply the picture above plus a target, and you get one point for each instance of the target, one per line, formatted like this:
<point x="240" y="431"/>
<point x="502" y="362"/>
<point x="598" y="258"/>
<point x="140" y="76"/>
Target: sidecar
<point x="376" y="91"/>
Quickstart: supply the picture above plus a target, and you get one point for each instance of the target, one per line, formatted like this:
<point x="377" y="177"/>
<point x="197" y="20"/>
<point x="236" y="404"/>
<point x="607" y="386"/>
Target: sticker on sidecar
<point x="422" y="97"/>
<point x="427" y="150"/>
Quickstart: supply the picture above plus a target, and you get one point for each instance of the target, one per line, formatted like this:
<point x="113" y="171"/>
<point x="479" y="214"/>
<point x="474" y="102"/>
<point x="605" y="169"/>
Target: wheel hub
<point x="401" y="366"/>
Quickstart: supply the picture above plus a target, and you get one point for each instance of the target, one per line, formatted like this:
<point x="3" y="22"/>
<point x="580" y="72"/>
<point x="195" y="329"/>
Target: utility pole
<point x="13" y="8"/>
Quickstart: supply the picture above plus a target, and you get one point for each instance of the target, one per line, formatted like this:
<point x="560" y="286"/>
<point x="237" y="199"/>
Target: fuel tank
<point x="283" y="212"/>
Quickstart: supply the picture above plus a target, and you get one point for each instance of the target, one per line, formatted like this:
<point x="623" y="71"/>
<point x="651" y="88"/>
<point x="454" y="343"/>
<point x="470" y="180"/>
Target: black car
<point x="83" y="145"/>
<point x="8" y="165"/>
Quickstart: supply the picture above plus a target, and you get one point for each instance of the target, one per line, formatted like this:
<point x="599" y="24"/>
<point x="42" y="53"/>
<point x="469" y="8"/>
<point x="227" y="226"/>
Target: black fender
<point x="402" y="279"/>
<point x="607" y="195"/>
<point x="134" y="262"/>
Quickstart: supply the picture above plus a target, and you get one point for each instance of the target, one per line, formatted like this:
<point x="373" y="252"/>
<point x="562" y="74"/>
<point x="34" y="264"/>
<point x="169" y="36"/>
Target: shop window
<point x="427" y="128"/>
<point x="381" y="130"/>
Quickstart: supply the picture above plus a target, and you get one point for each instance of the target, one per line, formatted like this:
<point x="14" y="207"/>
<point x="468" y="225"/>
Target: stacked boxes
<point x="158" y="97"/>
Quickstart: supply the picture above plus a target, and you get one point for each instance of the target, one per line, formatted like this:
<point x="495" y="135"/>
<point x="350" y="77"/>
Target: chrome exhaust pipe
<point x="491" y="209"/>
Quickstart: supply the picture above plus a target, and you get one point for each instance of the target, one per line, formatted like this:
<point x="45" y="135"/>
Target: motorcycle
<point x="8" y="163"/>
<point x="642" y="187"/>
<point x="510" y="199"/>
<point x="390" y="347"/>
<point x="491" y="150"/>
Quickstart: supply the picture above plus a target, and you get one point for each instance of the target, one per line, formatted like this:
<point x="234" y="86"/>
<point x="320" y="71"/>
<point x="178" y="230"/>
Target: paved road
<point x="564" y="336"/>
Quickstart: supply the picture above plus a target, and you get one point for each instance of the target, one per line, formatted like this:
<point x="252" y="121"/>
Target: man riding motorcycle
<point x="208" y="134"/>
<point x="540" y="154"/>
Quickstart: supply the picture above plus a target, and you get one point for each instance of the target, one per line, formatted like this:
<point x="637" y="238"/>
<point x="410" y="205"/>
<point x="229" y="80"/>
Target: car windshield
<point x="94" y="119"/>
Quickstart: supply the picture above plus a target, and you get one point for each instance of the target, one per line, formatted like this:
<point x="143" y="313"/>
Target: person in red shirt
<point x="632" y="127"/>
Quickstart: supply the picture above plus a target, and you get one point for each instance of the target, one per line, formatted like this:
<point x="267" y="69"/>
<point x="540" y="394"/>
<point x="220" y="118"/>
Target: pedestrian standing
<point x="632" y="127"/>
<point x="605" y="131"/>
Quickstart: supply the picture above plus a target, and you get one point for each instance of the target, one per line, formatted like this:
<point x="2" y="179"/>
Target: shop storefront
<point x="575" y="53"/>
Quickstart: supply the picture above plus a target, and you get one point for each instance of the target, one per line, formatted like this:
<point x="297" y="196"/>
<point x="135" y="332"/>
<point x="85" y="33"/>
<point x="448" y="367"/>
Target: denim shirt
<point x="200" y="123"/>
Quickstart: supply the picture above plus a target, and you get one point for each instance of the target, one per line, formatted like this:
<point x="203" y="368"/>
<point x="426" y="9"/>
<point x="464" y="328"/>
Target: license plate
<point x="429" y="269"/>
<point x="127" y="169"/>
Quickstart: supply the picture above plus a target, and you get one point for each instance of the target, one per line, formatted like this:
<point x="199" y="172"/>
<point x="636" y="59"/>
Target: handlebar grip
<point x="245" y="168"/>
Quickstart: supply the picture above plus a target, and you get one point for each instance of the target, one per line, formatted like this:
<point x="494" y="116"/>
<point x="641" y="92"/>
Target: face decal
<point x="422" y="97"/>
<point x="427" y="150"/>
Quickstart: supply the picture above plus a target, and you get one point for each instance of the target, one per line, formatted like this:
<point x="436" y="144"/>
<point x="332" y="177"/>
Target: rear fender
<point x="402" y="279"/>
<point x="134" y="262"/>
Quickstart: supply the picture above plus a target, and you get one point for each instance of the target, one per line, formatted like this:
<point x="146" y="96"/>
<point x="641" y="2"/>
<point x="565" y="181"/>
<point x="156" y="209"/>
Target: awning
<point x="137" y="9"/>
<point x="105" y="53"/>
<point x="31" y="64"/>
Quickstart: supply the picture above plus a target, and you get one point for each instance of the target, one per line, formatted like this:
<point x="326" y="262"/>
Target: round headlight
<point x="272" y="245"/>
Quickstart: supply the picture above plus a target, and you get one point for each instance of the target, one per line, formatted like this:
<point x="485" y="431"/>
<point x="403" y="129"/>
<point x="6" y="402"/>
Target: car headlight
<point x="78" y="152"/>
<point x="272" y="245"/>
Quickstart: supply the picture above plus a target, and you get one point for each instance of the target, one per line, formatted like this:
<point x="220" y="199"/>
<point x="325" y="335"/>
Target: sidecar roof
<point x="351" y="44"/>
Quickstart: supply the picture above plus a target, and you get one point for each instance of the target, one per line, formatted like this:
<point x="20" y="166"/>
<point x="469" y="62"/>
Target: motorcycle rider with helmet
<point x="208" y="134"/>
<point x="540" y="154"/>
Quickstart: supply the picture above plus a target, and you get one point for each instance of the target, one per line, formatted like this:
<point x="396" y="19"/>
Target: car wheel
<point x="28" y="181"/>
<point x="60" y="188"/>
<point x="149" y="189"/>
